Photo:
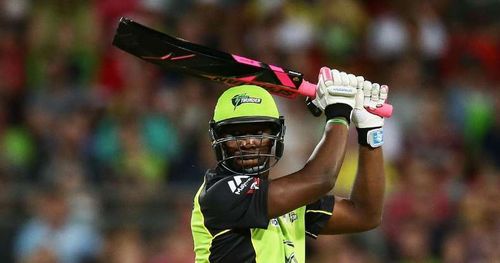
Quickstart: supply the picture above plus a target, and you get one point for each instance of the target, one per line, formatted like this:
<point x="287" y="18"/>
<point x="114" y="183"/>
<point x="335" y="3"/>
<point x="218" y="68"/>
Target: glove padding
<point x="369" y="126"/>
<point x="370" y="95"/>
<point x="335" y="87"/>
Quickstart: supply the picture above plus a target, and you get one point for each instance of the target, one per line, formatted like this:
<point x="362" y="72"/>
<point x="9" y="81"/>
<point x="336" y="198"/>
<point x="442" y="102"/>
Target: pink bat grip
<point x="308" y="89"/>
<point x="383" y="111"/>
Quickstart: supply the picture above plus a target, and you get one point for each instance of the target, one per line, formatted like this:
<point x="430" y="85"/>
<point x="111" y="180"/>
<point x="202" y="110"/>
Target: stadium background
<point x="108" y="150"/>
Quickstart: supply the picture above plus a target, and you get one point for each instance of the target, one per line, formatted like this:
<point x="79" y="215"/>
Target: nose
<point x="249" y="142"/>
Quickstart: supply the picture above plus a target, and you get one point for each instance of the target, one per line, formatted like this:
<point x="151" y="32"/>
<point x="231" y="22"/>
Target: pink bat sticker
<point x="182" y="57"/>
<point x="282" y="76"/>
<point x="247" y="61"/>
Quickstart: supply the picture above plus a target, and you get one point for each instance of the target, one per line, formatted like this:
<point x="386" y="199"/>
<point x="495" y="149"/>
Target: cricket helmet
<point x="246" y="104"/>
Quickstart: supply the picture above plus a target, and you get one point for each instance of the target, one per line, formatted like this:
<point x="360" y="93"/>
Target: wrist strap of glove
<point x="372" y="137"/>
<point x="338" y="110"/>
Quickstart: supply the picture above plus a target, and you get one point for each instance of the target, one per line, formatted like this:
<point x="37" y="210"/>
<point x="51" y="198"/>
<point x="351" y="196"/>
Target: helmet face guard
<point x="267" y="153"/>
<point x="241" y="115"/>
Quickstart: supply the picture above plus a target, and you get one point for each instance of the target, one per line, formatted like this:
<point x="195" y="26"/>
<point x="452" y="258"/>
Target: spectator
<point x="50" y="233"/>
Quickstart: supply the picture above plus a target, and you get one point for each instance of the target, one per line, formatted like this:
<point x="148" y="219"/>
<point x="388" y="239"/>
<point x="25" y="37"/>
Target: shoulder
<point x="223" y="189"/>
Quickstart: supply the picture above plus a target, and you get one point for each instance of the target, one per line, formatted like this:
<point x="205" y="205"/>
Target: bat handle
<point x="384" y="111"/>
<point x="309" y="90"/>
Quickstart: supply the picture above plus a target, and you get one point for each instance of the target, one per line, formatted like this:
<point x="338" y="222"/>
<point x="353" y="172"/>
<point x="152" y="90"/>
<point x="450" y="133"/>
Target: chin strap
<point x="253" y="171"/>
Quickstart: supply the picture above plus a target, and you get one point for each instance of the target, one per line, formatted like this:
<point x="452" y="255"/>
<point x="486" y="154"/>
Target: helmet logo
<point x="239" y="99"/>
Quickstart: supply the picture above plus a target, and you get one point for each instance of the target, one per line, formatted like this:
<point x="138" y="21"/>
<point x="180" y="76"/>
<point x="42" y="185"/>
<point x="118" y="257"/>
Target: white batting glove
<point x="335" y="87"/>
<point x="369" y="125"/>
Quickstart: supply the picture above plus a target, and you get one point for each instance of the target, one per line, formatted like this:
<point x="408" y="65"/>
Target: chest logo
<point x="238" y="183"/>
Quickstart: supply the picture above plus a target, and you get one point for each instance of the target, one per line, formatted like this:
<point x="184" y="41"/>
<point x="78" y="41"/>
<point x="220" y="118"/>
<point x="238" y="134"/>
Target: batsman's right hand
<point x="369" y="126"/>
<point x="335" y="87"/>
<point x="370" y="95"/>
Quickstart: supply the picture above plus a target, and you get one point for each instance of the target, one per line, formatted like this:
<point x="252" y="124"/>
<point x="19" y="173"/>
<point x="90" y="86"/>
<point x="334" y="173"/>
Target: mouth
<point x="247" y="155"/>
<point x="249" y="159"/>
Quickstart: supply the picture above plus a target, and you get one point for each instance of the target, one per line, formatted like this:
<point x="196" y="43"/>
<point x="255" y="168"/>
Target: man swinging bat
<point x="241" y="215"/>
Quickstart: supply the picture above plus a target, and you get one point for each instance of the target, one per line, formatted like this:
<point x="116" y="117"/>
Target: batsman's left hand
<point x="369" y="126"/>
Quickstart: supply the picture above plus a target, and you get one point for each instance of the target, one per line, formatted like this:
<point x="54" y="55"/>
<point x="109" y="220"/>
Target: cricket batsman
<point x="241" y="215"/>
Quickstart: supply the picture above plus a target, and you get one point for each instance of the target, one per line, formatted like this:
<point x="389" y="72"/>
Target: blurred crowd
<point x="101" y="152"/>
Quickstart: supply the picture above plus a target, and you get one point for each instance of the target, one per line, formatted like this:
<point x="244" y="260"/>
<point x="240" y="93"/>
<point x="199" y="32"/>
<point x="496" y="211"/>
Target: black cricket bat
<point x="178" y="55"/>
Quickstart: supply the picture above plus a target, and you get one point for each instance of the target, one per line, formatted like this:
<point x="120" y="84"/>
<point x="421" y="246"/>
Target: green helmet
<point x="245" y="101"/>
<point x="246" y="104"/>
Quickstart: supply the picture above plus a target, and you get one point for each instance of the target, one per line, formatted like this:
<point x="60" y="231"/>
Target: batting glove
<point x="336" y="93"/>
<point x="369" y="126"/>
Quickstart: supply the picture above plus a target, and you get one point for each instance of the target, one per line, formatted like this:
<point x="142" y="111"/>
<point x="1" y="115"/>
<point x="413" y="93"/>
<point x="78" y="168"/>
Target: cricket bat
<point x="178" y="55"/>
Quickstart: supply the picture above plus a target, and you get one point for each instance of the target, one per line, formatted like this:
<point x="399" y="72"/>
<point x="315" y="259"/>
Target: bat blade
<point x="179" y="55"/>
<point x="175" y="54"/>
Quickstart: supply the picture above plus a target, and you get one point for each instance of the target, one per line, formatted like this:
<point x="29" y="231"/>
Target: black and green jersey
<point x="229" y="222"/>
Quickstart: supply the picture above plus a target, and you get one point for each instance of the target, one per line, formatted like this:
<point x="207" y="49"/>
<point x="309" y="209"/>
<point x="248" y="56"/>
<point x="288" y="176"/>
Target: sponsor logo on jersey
<point x="239" y="99"/>
<point x="254" y="186"/>
<point x="288" y="243"/>
<point x="239" y="182"/>
<point x="291" y="258"/>
<point x="292" y="216"/>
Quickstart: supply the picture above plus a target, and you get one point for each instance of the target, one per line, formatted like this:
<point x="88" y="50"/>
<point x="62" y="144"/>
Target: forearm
<point x="313" y="181"/>
<point x="369" y="186"/>
<point x="335" y="96"/>
<point x="363" y="209"/>
<point x="326" y="160"/>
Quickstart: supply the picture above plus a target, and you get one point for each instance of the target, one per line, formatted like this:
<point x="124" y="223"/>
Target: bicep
<point x="293" y="191"/>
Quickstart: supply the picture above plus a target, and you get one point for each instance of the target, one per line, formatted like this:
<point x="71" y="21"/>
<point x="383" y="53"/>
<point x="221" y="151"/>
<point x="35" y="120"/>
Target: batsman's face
<point x="249" y="143"/>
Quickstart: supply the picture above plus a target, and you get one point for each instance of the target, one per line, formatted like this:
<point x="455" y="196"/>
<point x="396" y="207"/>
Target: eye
<point x="266" y="131"/>
<point x="232" y="135"/>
